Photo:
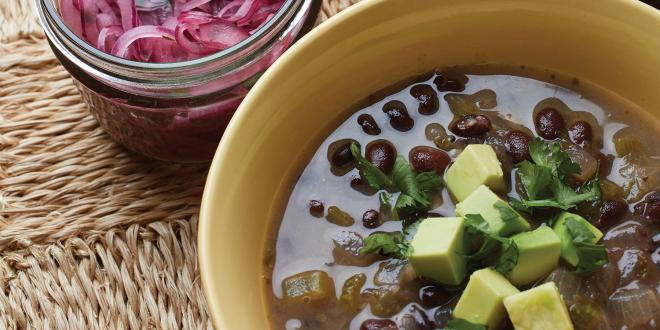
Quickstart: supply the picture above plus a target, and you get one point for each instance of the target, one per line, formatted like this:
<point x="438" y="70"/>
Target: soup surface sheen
<point x="622" y="294"/>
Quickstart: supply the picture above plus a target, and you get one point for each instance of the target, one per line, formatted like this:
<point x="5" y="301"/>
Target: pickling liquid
<point x="625" y="293"/>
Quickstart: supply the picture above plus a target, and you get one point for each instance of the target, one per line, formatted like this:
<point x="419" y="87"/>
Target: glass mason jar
<point x="172" y="111"/>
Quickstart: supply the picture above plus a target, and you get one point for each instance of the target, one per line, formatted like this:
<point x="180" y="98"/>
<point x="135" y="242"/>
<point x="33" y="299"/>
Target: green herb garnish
<point x="413" y="187"/>
<point x="374" y="177"/>
<point x="499" y="252"/>
<point x="543" y="180"/>
<point x="591" y="256"/>
<point x="392" y="244"/>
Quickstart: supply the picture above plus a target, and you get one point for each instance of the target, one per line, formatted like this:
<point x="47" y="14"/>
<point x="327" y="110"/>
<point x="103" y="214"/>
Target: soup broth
<point x="331" y="209"/>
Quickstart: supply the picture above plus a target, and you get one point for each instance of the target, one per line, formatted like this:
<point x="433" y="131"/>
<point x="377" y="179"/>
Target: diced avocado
<point x="568" y="251"/>
<point x="477" y="165"/>
<point x="481" y="302"/>
<point x="538" y="255"/>
<point x="539" y="308"/>
<point x="502" y="218"/>
<point x="437" y="250"/>
<point x="306" y="287"/>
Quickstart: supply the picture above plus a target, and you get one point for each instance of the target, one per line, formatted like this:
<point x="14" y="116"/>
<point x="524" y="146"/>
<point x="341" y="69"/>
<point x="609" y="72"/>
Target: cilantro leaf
<point x="374" y="177"/>
<point x="389" y="244"/>
<point x="567" y="197"/>
<point x="509" y="217"/>
<point x="579" y="231"/>
<point x="460" y="324"/>
<point x="384" y="198"/>
<point x="508" y="257"/>
<point x="495" y="250"/>
<point x="543" y="180"/>
<point x="476" y="224"/>
<point x="534" y="178"/>
<point x="551" y="156"/>
<point x="429" y="181"/>
<point x="404" y="205"/>
<point x="591" y="256"/>
<point x="404" y="179"/>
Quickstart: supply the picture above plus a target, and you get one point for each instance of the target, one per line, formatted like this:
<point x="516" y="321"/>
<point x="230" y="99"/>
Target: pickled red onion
<point x="165" y="30"/>
<point x="145" y="31"/>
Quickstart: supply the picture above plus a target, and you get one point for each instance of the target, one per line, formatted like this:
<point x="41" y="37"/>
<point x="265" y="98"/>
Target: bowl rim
<point x="241" y="117"/>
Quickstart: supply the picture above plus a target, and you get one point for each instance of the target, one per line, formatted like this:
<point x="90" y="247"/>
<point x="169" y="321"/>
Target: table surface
<point x="91" y="235"/>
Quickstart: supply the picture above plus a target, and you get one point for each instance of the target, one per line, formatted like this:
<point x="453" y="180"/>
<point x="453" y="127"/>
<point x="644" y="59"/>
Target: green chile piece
<point x="339" y="217"/>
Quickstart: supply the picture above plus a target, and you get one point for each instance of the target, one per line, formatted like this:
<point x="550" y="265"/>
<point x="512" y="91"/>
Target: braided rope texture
<point x="91" y="235"/>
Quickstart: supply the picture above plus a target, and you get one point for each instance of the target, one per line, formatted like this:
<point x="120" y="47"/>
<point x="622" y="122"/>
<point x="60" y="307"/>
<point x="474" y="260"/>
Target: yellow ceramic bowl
<point x="614" y="44"/>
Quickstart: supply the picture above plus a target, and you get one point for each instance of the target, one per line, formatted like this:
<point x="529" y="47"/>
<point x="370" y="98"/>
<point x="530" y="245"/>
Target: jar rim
<point x="49" y="11"/>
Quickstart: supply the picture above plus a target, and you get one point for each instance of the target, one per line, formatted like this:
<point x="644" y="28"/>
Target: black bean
<point x="427" y="159"/>
<point x="432" y="296"/>
<point x="316" y="208"/>
<point x="339" y="153"/>
<point x="382" y="154"/>
<point x="368" y="124"/>
<point x="378" y="324"/>
<point x="611" y="212"/>
<point x="371" y="219"/>
<point x="517" y="145"/>
<point x="470" y="126"/>
<point x="580" y="132"/>
<point x="446" y="83"/>
<point x="399" y="118"/>
<point x="549" y="123"/>
<point x="649" y="208"/>
<point x="427" y="98"/>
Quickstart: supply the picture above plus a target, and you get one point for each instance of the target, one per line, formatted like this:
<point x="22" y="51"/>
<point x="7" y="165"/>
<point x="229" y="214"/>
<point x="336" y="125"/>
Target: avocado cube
<point x="568" y="250"/>
<point x="437" y="250"/>
<point x="538" y="255"/>
<point x="308" y="287"/>
<point x="502" y="218"/>
<point x="538" y="308"/>
<point x="477" y="165"/>
<point x="481" y="302"/>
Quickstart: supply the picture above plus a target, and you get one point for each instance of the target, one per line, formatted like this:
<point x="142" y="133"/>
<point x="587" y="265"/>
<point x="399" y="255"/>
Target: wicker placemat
<point x="91" y="236"/>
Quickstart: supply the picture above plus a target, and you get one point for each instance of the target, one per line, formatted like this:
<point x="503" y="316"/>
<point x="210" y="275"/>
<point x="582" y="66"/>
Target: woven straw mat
<point x="91" y="236"/>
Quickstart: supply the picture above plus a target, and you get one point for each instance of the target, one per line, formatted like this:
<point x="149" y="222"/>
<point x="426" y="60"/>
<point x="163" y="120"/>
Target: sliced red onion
<point x="109" y="31"/>
<point x="166" y="30"/>
<point x="129" y="18"/>
<point x="221" y="35"/>
<point x="192" y="4"/>
<point x="146" y="31"/>
<point x="72" y="16"/>
<point x="103" y="21"/>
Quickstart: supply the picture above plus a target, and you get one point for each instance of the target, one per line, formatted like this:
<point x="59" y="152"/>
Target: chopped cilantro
<point x="590" y="256"/>
<point x="508" y="257"/>
<point x="460" y="324"/>
<point x="384" y="198"/>
<point x="429" y="181"/>
<point x="534" y="178"/>
<point x="551" y="156"/>
<point x="389" y="244"/>
<point x="413" y="186"/>
<point x="509" y="217"/>
<point x="374" y="177"/>
<point x="497" y="251"/>
<point x="405" y="180"/>
<point x="543" y="180"/>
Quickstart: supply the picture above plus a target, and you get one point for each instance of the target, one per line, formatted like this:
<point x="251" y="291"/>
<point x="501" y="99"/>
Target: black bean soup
<point x="332" y="208"/>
